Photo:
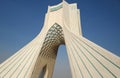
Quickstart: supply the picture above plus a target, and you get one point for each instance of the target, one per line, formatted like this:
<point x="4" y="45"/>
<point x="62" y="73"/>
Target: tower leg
<point x="44" y="68"/>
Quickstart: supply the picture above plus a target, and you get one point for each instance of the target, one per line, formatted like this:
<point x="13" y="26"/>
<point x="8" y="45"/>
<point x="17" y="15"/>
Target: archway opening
<point x="43" y="72"/>
<point x="62" y="66"/>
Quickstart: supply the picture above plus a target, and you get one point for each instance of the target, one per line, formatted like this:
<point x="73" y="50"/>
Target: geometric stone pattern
<point x="53" y="39"/>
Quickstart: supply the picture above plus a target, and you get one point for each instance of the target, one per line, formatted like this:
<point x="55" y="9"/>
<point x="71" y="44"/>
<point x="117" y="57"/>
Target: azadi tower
<point x="62" y="26"/>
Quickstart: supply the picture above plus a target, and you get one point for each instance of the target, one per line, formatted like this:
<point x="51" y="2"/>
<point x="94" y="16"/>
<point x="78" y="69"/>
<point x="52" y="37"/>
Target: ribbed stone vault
<point x="54" y="38"/>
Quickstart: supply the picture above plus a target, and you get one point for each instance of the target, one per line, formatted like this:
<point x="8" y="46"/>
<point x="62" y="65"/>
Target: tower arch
<point x="87" y="59"/>
<point x="54" y="38"/>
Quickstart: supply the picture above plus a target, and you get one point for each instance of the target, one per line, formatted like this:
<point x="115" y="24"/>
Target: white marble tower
<point x="62" y="26"/>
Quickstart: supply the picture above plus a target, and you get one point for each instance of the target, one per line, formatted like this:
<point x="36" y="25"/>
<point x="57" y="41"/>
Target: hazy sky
<point x="22" y="20"/>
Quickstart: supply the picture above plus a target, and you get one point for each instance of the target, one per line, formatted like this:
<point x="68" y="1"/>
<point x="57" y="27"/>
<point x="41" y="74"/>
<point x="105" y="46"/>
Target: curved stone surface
<point x="53" y="40"/>
<point x="62" y="26"/>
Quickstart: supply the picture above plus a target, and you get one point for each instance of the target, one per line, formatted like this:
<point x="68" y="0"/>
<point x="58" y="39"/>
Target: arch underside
<point x="37" y="59"/>
<point x="47" y="56"/>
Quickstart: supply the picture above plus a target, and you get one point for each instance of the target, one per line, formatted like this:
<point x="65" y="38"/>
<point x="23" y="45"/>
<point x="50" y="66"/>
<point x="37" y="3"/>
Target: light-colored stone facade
<point x="62" y="26"/>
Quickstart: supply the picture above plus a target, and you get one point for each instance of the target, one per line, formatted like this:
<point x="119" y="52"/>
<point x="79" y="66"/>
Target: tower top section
<point x="56" y="7"/>
<point x="66" y="15"/>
